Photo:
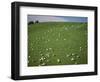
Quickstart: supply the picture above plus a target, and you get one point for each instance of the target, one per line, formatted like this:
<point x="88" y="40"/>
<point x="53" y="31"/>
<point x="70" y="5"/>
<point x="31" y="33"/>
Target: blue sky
<point x="49" y="18"/>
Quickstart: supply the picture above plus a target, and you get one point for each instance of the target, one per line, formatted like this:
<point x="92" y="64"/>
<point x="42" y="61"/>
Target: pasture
<point x="57" y="43"/>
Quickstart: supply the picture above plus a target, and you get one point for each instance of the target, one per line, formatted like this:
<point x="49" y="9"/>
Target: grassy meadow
<point x="57" y="43"/>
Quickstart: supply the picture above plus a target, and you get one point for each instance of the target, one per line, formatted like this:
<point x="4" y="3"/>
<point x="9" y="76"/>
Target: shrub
<point x="31" y="22"/>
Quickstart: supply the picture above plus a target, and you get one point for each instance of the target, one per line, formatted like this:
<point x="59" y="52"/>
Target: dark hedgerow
<point x="31" y="22"/>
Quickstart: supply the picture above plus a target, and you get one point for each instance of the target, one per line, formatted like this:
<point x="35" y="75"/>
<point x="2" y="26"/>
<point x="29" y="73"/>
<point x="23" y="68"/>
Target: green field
<point x="57" y="43"/>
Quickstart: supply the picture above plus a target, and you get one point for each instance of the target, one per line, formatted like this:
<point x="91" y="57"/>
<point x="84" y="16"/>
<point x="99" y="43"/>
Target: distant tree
<point x="36" y="21"/>
<point x="31" y="22"/>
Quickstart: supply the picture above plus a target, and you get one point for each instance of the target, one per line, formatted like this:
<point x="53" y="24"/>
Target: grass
<point x="57" y="43"/>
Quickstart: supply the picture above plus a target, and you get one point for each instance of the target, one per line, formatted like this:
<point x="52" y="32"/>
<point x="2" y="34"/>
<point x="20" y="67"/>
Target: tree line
<point x="33" y="22"/>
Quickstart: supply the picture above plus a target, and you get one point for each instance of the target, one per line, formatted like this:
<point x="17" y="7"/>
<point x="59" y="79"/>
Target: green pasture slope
<point x="57" y="43"/>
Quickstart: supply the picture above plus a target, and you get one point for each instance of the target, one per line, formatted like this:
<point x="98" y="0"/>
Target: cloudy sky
<point x="47" y="18"/>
